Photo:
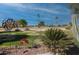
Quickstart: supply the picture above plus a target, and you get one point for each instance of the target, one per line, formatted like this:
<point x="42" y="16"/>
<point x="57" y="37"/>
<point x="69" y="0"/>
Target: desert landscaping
<point x="44" y="30"/>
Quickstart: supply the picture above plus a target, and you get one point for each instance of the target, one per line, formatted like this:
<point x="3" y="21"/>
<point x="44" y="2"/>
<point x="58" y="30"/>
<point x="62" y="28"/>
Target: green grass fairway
<point x="32" y="36"/>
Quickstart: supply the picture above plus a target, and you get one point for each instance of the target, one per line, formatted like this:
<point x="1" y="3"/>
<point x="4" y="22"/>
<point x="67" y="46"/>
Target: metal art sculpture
<point x="9" y="24"/>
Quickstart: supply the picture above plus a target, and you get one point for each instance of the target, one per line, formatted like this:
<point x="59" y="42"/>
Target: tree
<point x="41" y="23"/>
<point x="56" y="18"/>
<point x="54" y="38"/>
<point x="22" y="23"/>
<point x="74" y="7"/>
<point x="9" y="24"/>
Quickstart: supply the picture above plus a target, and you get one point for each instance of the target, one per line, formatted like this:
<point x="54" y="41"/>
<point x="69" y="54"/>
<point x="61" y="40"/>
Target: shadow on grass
<point x="11" y="38"/>
<point x="10" y="31"/>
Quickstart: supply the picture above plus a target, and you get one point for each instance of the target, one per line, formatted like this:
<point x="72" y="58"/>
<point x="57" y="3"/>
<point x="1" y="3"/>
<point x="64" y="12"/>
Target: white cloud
<point x="47" y="10"/>
<point x="19" y="7"/>
<point x="23" y="7"/>
<point x="14" y="5"/>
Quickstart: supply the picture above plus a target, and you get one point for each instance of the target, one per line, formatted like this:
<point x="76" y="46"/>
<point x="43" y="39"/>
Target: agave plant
<point x="55" y="37"/>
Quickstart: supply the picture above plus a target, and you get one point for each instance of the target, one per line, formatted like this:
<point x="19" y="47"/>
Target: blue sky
<point x="48" y="12"/>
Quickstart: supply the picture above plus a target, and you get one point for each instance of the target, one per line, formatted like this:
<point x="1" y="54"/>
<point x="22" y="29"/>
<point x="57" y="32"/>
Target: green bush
<point x="54" y="38"/>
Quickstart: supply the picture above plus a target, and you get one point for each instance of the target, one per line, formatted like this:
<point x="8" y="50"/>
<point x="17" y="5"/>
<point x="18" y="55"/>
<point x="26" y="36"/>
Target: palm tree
<point x="74" y="7"/>
<point x="56" y="18"/>
<point x="55" y="37"/>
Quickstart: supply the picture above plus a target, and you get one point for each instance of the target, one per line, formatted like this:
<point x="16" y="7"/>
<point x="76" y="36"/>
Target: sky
<point x="30" y="11"/>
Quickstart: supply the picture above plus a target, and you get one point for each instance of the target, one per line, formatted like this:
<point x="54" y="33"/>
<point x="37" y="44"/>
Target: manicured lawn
<point x="15" y="33"/>
<point x="31" y="38"/>
<point x="10" y="44"/>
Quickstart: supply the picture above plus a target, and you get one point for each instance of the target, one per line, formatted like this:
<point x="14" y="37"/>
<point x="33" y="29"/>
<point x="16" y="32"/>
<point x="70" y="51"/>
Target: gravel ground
<point x="24" y="51"/>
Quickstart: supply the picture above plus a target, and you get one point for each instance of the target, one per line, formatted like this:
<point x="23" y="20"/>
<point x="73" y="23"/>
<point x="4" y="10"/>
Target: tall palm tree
<point x="56" y="18"/>
<point x="39" y="20"/>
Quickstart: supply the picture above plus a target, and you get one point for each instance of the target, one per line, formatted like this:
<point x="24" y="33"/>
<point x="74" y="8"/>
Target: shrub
<point x="54" y="38"/>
